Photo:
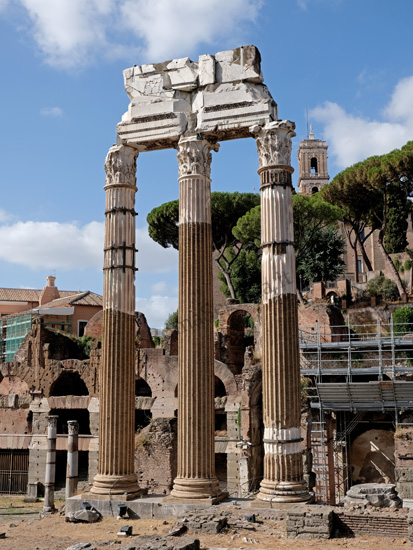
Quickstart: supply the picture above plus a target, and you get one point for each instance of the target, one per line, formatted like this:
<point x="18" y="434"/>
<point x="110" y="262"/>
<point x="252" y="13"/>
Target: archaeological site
<point x="300" y="408"/>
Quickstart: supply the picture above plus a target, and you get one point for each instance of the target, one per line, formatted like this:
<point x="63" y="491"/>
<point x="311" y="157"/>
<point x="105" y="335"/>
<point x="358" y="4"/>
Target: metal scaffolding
<point x="353" y="370"/>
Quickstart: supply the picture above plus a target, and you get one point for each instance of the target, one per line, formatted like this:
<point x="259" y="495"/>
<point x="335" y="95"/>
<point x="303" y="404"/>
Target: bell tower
<point x="312" y="165"/>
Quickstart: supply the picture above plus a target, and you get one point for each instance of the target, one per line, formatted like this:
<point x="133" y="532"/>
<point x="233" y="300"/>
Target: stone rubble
<point x="82" y="546"/>
<point x="380" y="495"/>
<point x="155" y="542"/>
<point x="84" y="516"/>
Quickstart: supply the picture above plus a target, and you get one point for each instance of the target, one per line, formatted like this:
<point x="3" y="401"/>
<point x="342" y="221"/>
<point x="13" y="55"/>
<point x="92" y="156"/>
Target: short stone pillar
<point x="117" y="374"/>
<point x="309" y="522"/>
<point x="50" y="464"/>
<point x="196" y="477"/>
<point x="283" y="467"/>
<point x="72" y="474"/>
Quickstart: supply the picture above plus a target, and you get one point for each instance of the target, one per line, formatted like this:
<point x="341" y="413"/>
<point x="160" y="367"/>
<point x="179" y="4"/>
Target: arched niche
<point x="240" y="335"/>
<point x="142" y="388"/>
<point x="68" y="383"/>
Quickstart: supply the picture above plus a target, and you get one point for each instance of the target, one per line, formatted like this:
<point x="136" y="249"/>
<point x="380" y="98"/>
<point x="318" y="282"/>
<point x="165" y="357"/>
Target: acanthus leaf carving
<point x="274" y="143"/>
<point x="194" y="156"/>
<point x="120" y="165"/>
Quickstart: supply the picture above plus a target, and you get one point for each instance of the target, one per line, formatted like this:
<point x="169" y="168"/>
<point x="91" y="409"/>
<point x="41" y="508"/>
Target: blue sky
<point x="349" y="61"/>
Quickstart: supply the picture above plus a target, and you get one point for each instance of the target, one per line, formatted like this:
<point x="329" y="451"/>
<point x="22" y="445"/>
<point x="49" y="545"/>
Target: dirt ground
<point x="25" y="530"/>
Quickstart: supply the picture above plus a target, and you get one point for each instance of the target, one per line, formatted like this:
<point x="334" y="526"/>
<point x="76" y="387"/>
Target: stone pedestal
<point x="117" y="374"/>
<point x="196" y="457"/>
<point x="283" y="469"/>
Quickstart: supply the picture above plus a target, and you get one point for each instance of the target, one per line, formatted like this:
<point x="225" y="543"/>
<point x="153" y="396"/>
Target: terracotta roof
<point x="79" y="299"/>
<point x="31" y="295"/>
<point x="19" y="294"/>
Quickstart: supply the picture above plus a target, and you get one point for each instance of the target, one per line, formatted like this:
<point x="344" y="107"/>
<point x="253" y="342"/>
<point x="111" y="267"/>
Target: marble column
<point x="283" y="468"/>
<point x="50" y="476"/>
<point x="117" y="373"/>
<point x="72" y="473"/>
<point x="196" y="454"/>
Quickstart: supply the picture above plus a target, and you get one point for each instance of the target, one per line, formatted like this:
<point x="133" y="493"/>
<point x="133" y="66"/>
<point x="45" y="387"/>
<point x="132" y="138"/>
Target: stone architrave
<point x="196" y="453"/>
<point x="50" y="476"/>
<point x="283" y="468"/>
<point x="117" y="375"/>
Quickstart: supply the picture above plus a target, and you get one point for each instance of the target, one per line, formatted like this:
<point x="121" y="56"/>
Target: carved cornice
<point x="274" y="143"/>
<point x="194" y="156"/>
<point x="120" y="165"/>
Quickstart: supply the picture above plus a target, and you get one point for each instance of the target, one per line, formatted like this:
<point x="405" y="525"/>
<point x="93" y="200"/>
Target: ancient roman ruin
<point x="215" y="408"/>
<point x="192" y="106"/>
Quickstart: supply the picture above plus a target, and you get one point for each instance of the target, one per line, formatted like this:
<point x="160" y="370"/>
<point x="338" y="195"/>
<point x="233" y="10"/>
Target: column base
<point x="197" y="489"/>
<point x="107" y="486"/>
<point x="284" y="491"/>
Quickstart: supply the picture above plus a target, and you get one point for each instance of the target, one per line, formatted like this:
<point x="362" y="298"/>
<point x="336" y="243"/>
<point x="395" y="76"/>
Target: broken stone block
<point x="154" y="542"/>
<point x="82" y="546"/>
<point x="380" y="495"/>
<point x="178" y="529"/>
<point x="85" y="516"/>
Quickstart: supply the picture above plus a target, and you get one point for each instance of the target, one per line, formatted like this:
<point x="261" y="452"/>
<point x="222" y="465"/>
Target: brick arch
<point x="86" y="372"/>
<point x="69" y="382"/>
<point x="225" y="314"/>
<point x="222" y="372"/>
<point x="10" y="384"/>
<point x="233" y="342"/>
<point x="161" y="377"/>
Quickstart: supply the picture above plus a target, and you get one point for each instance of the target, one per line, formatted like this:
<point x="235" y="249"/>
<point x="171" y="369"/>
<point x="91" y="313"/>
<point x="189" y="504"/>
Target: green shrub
<point x="382" y="288"/>
<point x="403" y="320"/>
<point x="172" y="321"/>
<point x="408" y="265"/>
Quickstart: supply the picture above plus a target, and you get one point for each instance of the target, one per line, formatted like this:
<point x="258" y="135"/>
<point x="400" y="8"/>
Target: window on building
<point x="81" y="328"/>
<point x="314" y="166"/>
<point x="360" y="265"/>
<point x="314" y="190"/>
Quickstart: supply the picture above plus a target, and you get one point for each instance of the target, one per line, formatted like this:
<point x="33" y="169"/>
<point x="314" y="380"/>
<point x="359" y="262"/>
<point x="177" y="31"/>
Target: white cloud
<point x="71" y="33"/>
<point x="354" y="138"/>
<point x="170" y="29"/>
<point x="3" y="5"/>
<point x="401" y="104"/>
<point x="157" y="308"/>
<point x="54" y="112"/>
<point x="67" y="246"/>
<point x="302" y="4"/>
<point x="152" y="258"/>
<point x="68" y="32"/>
<point x="162" y="287"/>
<point x="5" y="216"/>
<point x="52" y="245"/>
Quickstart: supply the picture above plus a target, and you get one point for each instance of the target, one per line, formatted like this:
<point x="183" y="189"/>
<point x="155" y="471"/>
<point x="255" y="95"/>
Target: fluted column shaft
<point x="283" y="470"/>
<point x="117" y="374"/>
<point x="196" y="454"/>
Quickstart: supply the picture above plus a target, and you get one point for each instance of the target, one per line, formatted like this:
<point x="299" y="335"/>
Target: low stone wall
<point x="309" y="522"/>
<point x="366" y="522"/>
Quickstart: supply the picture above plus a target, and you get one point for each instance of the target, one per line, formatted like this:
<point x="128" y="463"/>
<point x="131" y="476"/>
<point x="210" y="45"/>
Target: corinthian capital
<point x="120" y="165"/>
<point x="274" y="143"/>
<point x="73" y="427"/>
<point x="194" y="156"/>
